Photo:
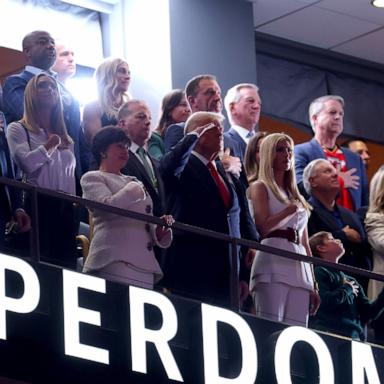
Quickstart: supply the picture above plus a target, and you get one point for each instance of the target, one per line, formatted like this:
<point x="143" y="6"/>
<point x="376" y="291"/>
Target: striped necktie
<point x="143" y="157"/>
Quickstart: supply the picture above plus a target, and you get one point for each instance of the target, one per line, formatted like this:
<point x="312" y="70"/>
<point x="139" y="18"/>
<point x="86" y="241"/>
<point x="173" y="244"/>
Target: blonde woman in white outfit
<point x="282" y="289"/>
<point x="121" y="248"/>
<point x="374" y="225"/>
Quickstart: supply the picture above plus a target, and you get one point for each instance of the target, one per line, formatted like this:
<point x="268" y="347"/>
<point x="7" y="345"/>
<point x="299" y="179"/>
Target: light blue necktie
<point x="250" y="134"/>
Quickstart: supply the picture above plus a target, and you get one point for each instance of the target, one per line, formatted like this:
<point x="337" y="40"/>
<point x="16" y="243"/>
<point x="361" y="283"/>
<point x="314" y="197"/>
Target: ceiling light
<point x="378" y="3"/>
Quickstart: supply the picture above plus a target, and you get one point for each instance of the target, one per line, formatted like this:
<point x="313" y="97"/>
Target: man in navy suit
<point x="198" y="266"/>
<point x="39" y="50"/>
<point x="326" y="115"/>
<point x="65" y="64"/>
<point x="203" y="95"/>
<point x="242" y="103"/>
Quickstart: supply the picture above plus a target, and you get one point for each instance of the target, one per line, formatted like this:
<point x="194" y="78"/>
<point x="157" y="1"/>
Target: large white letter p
<point x="24" y="304"/>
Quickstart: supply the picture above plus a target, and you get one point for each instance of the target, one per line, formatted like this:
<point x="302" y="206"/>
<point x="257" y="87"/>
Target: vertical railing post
<point x="234" y="276"/>
<point x="35" y="226"/>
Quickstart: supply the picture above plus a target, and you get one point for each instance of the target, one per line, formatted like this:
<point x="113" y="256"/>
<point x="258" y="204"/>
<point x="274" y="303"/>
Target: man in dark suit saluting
<point x="201" y="194"/>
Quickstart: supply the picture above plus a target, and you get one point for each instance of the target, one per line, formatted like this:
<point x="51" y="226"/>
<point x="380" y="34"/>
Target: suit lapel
<point x="235" y="136"/>
<point x="316" y="150"/>
<point x="139" y="169"/>
<point x="324" y="215"/>
<point x="201" y="172"/>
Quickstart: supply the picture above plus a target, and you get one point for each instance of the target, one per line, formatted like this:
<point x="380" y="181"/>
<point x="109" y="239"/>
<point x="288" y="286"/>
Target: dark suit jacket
<point x="135" y="168"/>
<point x="6" y="198"/>
<point x="13" y="100"/>
<point x="241" y="145"/>
<point x="356" y="255"/>
<point x="173" y="134"/>
<point x="195" y="265"/>
<point x="311" y="150"/>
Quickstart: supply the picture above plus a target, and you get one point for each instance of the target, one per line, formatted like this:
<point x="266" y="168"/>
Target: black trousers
<point x="58" y="227"/>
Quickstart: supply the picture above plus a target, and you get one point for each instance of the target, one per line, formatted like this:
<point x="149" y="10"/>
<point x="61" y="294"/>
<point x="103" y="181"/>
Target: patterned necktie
<point x="223" y="190"/>
<point x="250" y="134"/>
<point x="141" y="152"/>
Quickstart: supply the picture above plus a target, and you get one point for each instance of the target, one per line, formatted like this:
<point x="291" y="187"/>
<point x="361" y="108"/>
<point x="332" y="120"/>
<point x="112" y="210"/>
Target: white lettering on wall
<point x="363" y="362"/>
<point x="287" y="339"/>
<point x="31" y="296"/>
<point x="138" y="297"/>
<point x="210" y="317"/>
<point x="73" y="315"/>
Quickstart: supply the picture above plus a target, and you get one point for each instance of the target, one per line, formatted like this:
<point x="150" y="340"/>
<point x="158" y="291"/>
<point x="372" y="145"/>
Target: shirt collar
<point x="203" y="159"/>
<point x="242" y="132"/>
<point x="36" y="71"/>
<point x="134" y="147"/>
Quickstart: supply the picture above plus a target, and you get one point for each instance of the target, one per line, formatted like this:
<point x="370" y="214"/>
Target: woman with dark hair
<point x="282" y="289"/>
<point x="174" y="109"/>
<point x="252" y="156"/>
<point x="43" y="150"/>
<point x="121" y="248"/>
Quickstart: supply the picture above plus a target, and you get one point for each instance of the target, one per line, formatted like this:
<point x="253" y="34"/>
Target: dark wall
<point x="212" y="36"/>
<point x="291" y="75"/>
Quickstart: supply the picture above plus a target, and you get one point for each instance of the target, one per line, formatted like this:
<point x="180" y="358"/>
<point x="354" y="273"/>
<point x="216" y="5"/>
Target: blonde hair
<point x="105" y="76"/>
<point x="31" y="111"/>
<point x="317" y="239"/>
<point x="266" y="172"/>
<point x="376" y="194"/>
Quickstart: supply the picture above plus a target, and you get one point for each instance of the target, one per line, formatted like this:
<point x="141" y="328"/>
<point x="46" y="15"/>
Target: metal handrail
<point x="233" y="241"/>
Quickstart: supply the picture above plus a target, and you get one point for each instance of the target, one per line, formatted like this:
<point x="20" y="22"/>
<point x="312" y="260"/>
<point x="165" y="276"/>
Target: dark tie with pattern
<point x="141" y="152"/>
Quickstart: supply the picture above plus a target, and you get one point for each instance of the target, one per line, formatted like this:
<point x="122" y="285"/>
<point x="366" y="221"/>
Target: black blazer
<point x="5" y="195"/>
<point x="135" y="168"/>
<point x="356" y="254"/>
<point x="198" y="266"/>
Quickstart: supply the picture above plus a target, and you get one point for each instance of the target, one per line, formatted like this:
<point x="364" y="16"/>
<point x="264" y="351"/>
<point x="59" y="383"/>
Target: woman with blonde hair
<point x="113" y="78"/>
<point x="374" y="226"/>
<point x="43" y="150"/>
<point x="282" y="289"/>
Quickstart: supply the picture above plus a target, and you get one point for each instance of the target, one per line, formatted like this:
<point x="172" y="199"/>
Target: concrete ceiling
<point x="351" y="27"/>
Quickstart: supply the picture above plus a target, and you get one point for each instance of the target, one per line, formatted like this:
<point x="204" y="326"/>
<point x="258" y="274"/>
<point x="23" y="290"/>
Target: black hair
<point x="104" y="138"/>
<point x="351" y="140"/>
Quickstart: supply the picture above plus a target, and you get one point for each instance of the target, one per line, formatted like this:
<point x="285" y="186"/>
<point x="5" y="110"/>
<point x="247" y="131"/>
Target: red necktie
<point x="223" y="190"/>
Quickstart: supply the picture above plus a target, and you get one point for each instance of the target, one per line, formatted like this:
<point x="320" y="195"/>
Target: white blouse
<point x="48" y="169"/>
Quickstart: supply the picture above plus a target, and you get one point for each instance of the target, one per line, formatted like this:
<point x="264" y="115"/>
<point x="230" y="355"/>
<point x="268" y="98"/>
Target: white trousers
<point x="122" y="272"/>
<point x="282" y="303"/>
